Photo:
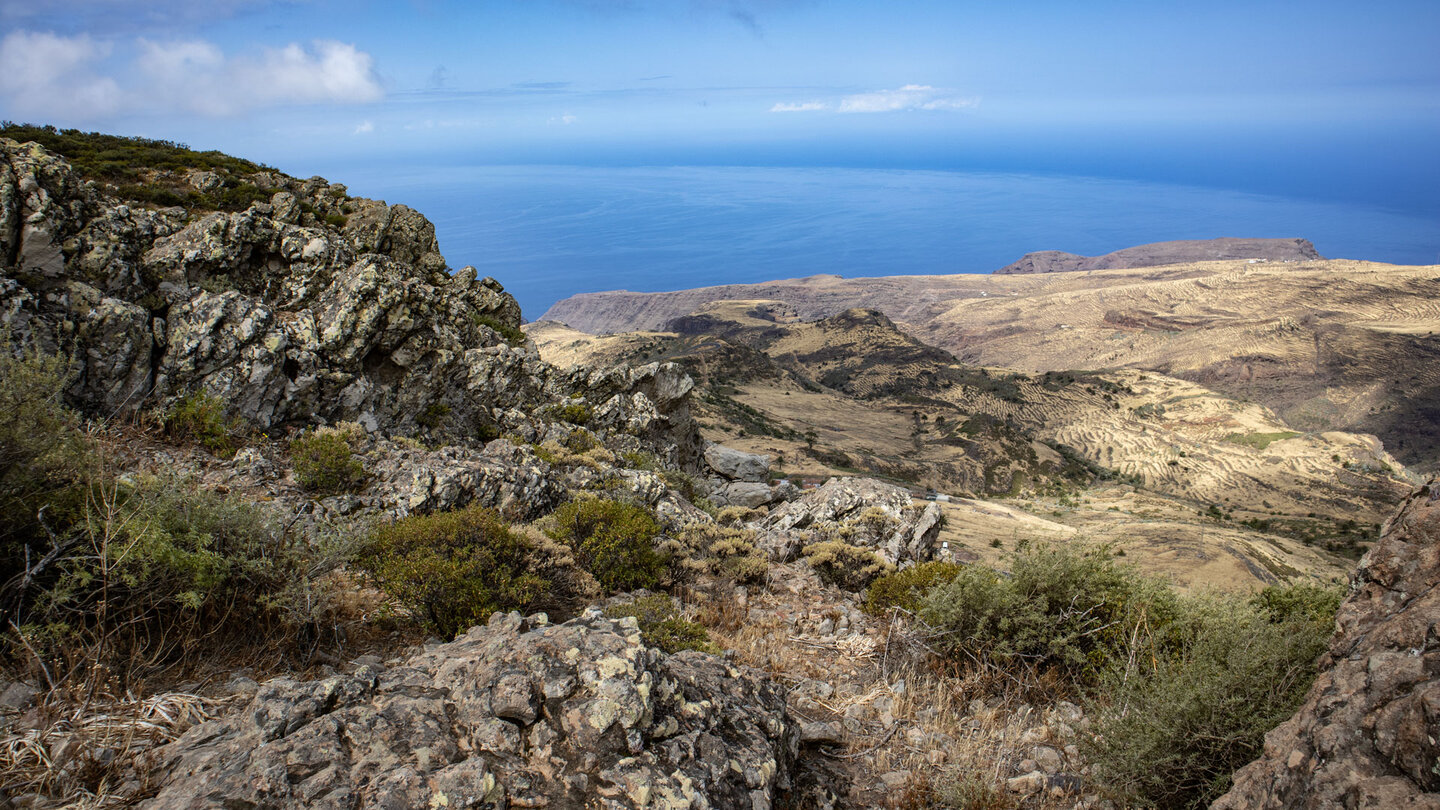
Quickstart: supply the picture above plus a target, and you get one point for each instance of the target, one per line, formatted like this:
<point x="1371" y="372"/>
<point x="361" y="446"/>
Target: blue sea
<point x="547" y="232"/>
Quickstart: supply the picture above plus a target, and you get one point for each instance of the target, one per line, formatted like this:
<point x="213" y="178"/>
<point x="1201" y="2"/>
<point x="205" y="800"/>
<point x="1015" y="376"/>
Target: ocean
<point x="547" y="232"/>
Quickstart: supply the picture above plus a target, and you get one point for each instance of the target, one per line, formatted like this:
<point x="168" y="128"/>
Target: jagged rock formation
<point x="1367" y="733"/>
<point x="517" y="714"/>
<point x="311" y="307"/>
<point x="862" y="511"/>
<point x="1158" y="254"/>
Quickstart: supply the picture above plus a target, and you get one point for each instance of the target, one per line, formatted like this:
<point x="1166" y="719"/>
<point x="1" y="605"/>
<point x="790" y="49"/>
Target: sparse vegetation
<point x="200" y="417"/>
<point x="662" y="626"/>
<point x="324" y="462"/>
<point x="510" y="334"/>
<point x="1260" y="441"/>
<point x="845" y="566"/>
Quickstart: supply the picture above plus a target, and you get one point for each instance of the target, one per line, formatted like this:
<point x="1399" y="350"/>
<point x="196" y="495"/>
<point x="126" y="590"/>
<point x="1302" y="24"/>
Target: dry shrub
<point x="845" y="566"/>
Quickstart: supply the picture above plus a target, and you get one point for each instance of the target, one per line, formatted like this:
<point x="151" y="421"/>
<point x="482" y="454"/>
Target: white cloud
<point x="44" y="74"/>
<point x="909" y="97"/>
<point x="196" y="76"/>
<point x="802" y="106"/>
<point x="566" y="120"/>
<point x="365" y="127"/>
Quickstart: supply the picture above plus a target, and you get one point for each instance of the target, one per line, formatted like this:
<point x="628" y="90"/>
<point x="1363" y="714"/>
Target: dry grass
<point x="96" y="753"/>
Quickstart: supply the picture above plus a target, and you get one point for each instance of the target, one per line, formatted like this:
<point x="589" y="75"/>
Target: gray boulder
<point x="516" y="714"/>
<point x="737" y="465"/>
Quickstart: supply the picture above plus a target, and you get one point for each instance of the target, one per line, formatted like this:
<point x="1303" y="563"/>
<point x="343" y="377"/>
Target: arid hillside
<point x="1327" y="345"/>
<point x="1197" y="485"/>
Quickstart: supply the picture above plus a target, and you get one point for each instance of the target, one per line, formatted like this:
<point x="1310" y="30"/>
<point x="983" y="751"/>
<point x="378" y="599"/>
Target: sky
<point x="1320" y="99"/>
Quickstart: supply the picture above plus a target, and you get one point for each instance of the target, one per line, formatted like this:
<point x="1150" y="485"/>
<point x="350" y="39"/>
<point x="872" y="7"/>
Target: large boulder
<point x="517" y="714"/>
<point x="1368" y="734"/>
<point x="737" y="465"/>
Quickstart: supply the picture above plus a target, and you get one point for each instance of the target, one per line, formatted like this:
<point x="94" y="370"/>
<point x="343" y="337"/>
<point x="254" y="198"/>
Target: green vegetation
<point x="907" y="587"/>
<point x="613" y="540"/>
<point x="433" y="416"/>
<point x="845" y="566"/>
<point x="1170" y="733"/>
<point x="1069" y="611"/>
<point x="325" y="464"/>
<point x="510" y="334"/>
<point x="662" y="626"/>
<point x="128" y="162"/>
<point x="576" y="413"/>
<point x="452" y="570"/>
<point x="200" y="417"/>
<point x="1260" y="441"/>
<point x="42" y="452"/>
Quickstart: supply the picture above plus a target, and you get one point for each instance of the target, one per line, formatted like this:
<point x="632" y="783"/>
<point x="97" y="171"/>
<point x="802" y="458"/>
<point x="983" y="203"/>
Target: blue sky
<point x="1323" y="99"/>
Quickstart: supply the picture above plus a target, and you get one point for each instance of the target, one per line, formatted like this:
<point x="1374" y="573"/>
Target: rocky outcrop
<point x="312" y="307"/>
<point x="859" y="511"/>
<point x="517" y="714"/>
<point x="1367" y="733"/>
<point x="1162" y="253"/>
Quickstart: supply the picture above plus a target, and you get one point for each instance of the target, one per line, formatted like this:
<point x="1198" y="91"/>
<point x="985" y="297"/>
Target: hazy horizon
<point x="1327" y="103"/>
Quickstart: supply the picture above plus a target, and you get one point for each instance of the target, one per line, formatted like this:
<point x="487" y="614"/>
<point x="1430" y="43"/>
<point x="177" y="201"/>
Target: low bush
<point x="722" y="551"/>
<point x="662" y="626"/>
<point x="1171" y="732"/>
<point x="452" y="570"/>
<point x="613" y="540"/>
<point x="1061" y="608"/>
<point x="156" y="569"/>
<point x="843" y="565"/>
<point x="907" y="587"/>
<point x="324" y="462"/>
<point x="42" y="450"/>
<point x="200" y="417"/>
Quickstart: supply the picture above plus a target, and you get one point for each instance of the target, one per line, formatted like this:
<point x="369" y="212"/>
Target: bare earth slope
<point x="1159" y="254"/>
<point x="1327" y="344"/>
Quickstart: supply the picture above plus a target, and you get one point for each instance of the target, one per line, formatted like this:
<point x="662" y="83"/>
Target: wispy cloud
<point x="800" y="106"/>
<point x="564" y="120"/>
<point x="365" y="128"/>
<point x="908" y="97"/>
<point x="46" y="75"/>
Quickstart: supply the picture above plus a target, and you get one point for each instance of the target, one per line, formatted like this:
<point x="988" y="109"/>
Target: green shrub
<point x="157" y="569"/>
<point x="510" y="334"/>
<point x="200" y="417"/>
<point x="1060" y="608"/>
<point x="576" y="413"/>
<point x="662" y="626"/>
<point x="452" y="570"/>
<point x="324" y="462"/>
<point x="613" y="540"/>
<point x="843" y="565"/>
<point x="907" y="587"/>
<point x="41" y="447"/>
<point x="1170" y="733"/>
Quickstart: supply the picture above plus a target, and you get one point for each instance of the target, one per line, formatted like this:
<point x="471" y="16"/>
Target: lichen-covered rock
<point x="1368" y="734"/>
<point x="517" y="714"/>
<point x="859" y="511"/>
<point x="508" y="477"/>
<point x="313" y="307"/>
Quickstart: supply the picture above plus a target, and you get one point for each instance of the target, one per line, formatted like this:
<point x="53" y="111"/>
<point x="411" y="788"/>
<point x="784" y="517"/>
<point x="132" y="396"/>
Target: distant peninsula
<point x="1157" y="254"/>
